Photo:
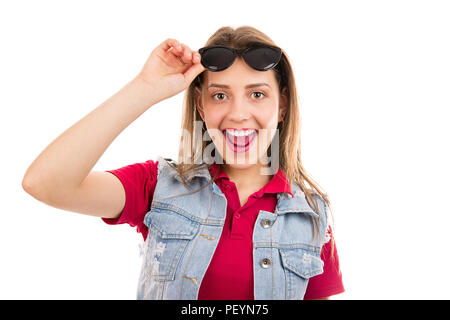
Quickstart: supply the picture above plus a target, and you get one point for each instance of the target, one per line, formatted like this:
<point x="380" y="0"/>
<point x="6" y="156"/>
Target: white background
<point x="373" y="80"/>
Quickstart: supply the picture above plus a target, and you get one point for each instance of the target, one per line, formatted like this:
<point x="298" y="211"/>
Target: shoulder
<point x="324" y="214"/>
<point x="165" y="163"/>
<point x="321" y="200"/>
<point x="170" y="161"/>
<point x="138" y="170"/>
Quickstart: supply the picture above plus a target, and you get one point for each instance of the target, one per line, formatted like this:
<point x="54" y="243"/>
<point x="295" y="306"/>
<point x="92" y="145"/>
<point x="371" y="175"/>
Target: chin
<point x="242" y="161"/>
<point x="240" y="166"/>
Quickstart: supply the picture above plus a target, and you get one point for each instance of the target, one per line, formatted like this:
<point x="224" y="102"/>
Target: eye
<point x="260" y="94"/>
<point x="217" y="94"/>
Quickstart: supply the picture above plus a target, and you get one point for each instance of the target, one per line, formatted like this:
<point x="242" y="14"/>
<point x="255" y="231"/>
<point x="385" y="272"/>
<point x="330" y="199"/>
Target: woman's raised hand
<point x="170" y="68"/>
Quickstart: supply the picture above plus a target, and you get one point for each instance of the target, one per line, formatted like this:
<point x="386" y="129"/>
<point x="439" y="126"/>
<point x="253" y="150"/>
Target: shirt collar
<point x="297" y="203"/>
<point x="278" y="183"/>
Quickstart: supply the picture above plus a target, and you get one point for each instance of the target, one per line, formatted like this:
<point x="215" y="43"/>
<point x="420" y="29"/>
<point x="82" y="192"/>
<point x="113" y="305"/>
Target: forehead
<point x="239" y="74"/>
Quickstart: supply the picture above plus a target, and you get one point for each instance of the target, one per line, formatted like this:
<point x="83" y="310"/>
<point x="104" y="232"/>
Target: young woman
<point x="237" y="217"/>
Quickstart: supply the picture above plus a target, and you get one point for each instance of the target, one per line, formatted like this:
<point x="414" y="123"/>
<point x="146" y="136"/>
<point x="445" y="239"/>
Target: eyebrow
<point x="252" y="85"/>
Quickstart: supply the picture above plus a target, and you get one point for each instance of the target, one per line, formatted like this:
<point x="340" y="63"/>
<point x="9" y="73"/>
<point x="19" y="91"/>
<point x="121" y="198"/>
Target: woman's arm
<point x="56" y="176"/>
<point x="61" y="175"/>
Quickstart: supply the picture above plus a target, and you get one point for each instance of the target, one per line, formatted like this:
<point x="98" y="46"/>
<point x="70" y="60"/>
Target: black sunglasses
<point x="259" y="57"/>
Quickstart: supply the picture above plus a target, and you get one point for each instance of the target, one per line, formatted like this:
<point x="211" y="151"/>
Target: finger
<point x="193" y="72"/>
<point x="196" y="58"/>
<point x="170" y="43"/>
<point x="175" y="50"/>
<point x="181" y="52"/>
<point x="186" y="54"/>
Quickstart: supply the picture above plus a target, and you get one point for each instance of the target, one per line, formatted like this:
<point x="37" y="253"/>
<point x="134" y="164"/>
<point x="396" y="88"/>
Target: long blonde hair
<point x="289" y="129"/>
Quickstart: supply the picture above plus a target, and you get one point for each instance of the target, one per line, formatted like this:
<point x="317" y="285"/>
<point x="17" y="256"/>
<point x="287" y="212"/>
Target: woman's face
<point x="241" y="107"/>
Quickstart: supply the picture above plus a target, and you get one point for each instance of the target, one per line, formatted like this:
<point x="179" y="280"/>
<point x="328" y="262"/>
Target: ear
<point x="198" y="103"/>
<point x="283" y="104"/>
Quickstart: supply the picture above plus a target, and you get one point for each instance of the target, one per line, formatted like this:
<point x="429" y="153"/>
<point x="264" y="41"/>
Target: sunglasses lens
<point x="217" y="59"/>
<point x="263" y="58"/>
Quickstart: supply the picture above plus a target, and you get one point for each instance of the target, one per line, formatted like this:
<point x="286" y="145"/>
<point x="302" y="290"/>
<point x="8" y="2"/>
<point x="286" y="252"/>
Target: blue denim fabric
<point x="184" y="230"/>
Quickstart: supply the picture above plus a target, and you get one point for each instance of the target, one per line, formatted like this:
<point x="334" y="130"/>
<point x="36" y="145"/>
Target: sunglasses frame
<point x="241" y="52"/>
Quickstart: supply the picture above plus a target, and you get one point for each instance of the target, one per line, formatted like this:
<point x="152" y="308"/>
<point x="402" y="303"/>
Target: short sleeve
<point x="139" y="181"/>
<point x="330" y="281"/>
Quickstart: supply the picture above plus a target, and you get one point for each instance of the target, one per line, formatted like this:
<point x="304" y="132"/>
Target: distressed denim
<point x="184" y="230"/>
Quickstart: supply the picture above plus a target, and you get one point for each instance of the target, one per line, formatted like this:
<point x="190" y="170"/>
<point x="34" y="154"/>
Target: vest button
<point x="265" y="263"/>
<point x="265" y="223"/>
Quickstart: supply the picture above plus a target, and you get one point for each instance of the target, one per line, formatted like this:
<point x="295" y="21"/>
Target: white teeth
<point x="239" y="133"/>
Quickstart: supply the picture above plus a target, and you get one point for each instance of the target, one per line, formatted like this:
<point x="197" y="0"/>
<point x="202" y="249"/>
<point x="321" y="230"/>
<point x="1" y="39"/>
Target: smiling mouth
<point x="240" y="143"/>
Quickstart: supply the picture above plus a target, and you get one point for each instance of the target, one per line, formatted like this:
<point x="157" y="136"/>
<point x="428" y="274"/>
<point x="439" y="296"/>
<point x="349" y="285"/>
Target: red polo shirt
<point x="230" y="273"/>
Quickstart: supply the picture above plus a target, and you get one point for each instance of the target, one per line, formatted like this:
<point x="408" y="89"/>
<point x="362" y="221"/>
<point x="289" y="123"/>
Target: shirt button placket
<point x="265" y="262"/>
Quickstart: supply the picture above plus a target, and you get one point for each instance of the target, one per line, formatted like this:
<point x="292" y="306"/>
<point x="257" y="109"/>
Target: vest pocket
<point x="169" y="233"/>
<point x="299" y="265"/>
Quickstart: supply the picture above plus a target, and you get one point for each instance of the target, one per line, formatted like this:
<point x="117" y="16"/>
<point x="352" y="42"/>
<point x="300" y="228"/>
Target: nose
<point x="239" y="111"/>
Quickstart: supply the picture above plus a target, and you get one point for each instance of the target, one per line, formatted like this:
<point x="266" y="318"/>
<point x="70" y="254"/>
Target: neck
<point x="250" y="176"/>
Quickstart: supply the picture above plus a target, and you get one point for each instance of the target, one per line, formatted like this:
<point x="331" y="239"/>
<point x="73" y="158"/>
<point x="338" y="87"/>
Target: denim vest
<point x="184" y="230"/>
